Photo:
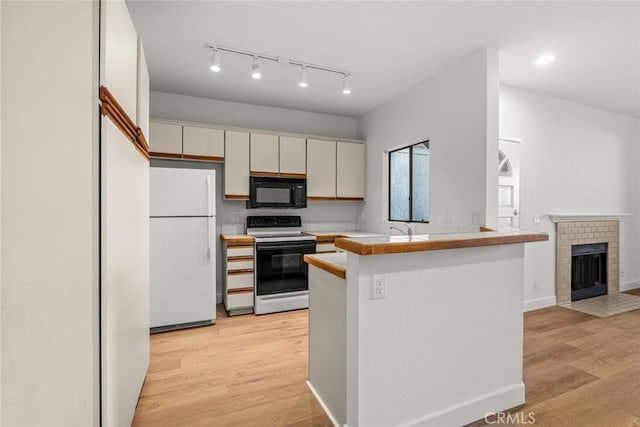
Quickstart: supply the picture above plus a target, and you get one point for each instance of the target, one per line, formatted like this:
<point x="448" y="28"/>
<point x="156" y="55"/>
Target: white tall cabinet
<point x="124" y="195"/>
<point x="74" y="217"/>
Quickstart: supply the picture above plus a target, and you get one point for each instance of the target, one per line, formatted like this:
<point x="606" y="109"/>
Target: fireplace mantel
<point x="558" y="217"/>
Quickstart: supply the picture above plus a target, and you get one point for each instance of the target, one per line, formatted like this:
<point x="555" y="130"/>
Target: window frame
<point x="410" y="147"/>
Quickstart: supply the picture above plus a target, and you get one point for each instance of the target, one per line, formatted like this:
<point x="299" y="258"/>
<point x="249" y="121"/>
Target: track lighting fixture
<point x="255" y="69"/>
<point x="346" y="89"/>
<point x="257" y="74"/>
<point x="215" y="60"/>
<point x="303" y="77"/>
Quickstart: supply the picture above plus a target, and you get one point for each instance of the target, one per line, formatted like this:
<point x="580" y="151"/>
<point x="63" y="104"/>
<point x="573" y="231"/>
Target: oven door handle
<point x="287" y="246"/>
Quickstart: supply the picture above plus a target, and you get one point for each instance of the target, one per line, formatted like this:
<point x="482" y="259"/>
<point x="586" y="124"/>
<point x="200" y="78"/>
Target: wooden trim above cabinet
<point x="351" y="199"/>
<point x="112" y="109"/>
<point x="199" y="157"/>
<point x="278" y="174"/>
<point x="167" y="155"/>
<point x="320" y="198"/>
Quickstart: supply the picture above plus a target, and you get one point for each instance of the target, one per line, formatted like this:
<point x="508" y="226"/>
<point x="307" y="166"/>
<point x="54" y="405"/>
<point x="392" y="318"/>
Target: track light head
<point x="346" y="89"/>
<point x="303" y="77"/>
<point x="215" y="60"/>
<point x="255" y="69"/>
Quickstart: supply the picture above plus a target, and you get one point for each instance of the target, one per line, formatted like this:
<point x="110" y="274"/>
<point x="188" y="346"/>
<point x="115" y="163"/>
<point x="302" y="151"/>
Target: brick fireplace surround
<point x="579" y="230"/>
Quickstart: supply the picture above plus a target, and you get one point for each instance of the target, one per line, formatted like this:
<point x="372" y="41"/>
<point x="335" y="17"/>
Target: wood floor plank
<point x="579" y="370"/>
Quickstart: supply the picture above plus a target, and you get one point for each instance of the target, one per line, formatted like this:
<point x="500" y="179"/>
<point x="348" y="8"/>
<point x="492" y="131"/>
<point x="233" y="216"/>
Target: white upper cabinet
<point x="321" y="169"/>
<point x="203" y="143"/>
<point x="119" y="65"/>
<point x="264" y="153"/>
<point x="350" y="170"/>
<point x="236" y="165"/>
<point x="165" y="138"/>
<point x="293" y="155"/>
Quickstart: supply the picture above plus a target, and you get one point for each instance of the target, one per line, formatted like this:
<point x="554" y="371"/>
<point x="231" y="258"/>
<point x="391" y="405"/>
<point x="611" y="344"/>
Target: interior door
<point x="509" y="183"/>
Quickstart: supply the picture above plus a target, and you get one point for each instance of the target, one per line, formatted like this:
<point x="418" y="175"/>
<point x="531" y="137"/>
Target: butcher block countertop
<point x="433" y="242"/>
<point x="237" y="238"/>
<point x="334" y="263"/>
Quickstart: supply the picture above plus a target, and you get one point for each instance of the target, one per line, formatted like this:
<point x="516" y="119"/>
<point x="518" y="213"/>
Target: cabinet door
<point x="264" y="153"/>
<point x="236" y="165"/>
<point x="202" y="143"/>
<point x="293" y="155"/>
<point x="350" y="171"/>
<point x="165" y="140"/>
<point x="321" y="169"/>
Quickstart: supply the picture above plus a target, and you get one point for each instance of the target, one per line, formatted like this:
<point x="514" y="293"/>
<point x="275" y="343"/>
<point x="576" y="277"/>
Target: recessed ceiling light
<point x="544" y="59"/>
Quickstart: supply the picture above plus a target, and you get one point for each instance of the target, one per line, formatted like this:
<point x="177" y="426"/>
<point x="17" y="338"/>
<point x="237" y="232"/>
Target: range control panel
<point x="274" y="221"/>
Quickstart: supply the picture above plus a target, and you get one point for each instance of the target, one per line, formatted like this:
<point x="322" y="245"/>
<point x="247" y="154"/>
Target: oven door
<point x="280" y="266"/>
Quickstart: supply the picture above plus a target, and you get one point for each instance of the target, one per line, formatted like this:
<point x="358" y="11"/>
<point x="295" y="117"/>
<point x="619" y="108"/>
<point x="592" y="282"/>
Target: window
<point x="409" y="183"/>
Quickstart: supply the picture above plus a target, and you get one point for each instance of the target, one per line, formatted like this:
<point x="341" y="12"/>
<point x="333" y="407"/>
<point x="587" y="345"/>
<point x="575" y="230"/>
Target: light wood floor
<point x="579" y="370"/>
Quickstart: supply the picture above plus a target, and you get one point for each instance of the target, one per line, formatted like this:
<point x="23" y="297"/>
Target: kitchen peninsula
<point x="422" y="330"/>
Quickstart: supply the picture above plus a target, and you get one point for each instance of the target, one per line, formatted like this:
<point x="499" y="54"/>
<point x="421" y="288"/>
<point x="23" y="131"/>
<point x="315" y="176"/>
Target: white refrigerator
<point x="183" y="249"/>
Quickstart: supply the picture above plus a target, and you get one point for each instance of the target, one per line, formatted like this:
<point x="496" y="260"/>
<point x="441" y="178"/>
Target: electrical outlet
<point x="447" y="217"/>
<point x="621" y="273"/>
<point x="237" y="215"/>
<point x="379" y="286"/>
<point x="536" y="285"/>
<point x="536" y="220"/>
<point x="476" y="218"/>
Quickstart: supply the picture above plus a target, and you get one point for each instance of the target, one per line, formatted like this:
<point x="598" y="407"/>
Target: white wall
<point x="574" y="159"/>
<point x="456" y="111"/>
<point x="49" y="217"/>
<point x="213" y="111"/>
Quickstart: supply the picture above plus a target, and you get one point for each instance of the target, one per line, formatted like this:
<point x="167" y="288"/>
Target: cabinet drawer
<point x="239" y="281"/>
<point x="233" y="251"/>
<point x="239" y="300"/>
<point x="239" y="264"/>
<point x="325" y="247"/>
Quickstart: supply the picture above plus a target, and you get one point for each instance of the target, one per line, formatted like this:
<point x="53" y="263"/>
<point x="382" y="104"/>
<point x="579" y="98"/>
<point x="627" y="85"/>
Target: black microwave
<point x="275" y="192"/>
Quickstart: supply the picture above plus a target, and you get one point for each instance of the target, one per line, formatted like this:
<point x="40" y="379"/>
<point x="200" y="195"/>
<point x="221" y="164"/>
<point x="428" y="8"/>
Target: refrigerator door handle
<point x="208" y="195"/>
<point x="208" y="219"/>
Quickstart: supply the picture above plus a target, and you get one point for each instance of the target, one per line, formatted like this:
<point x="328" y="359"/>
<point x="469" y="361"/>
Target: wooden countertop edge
<point x="243" y="239"/>
<point x="435" y="245"/>
<point x="327" y="266"/>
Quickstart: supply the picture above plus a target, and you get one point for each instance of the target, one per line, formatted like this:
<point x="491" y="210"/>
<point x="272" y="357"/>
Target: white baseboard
<point x="627" y="286"/>
<point x="324" y="407"/>
<point x="535" y="304"/>
<point x="475" y="409"/>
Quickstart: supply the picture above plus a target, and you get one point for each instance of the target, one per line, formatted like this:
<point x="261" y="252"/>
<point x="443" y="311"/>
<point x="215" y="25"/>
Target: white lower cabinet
<point x="237" y="292"/>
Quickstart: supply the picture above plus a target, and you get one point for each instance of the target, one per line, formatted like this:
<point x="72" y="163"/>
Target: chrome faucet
<point x="409" y="231"/>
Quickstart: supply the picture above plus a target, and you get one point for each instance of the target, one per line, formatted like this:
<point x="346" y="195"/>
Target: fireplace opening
<point x="588" y="271"/>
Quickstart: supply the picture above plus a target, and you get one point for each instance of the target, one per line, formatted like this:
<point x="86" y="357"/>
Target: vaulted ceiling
<point x="389" y="47"/>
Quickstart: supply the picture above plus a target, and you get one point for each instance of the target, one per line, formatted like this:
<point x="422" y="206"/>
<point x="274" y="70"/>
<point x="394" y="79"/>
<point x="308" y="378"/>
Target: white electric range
<point x="281" y="275"/>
